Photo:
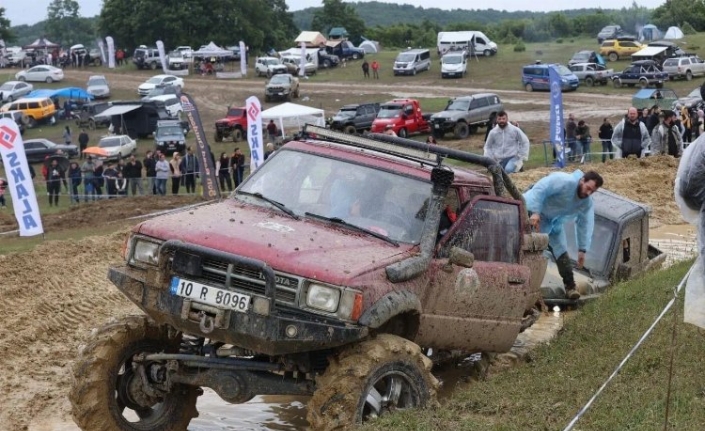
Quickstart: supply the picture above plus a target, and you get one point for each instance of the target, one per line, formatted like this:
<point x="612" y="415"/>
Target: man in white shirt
<point x="507" y="144"/>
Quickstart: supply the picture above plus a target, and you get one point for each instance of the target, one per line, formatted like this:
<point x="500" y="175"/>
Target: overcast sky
<point x="31" y="11"/>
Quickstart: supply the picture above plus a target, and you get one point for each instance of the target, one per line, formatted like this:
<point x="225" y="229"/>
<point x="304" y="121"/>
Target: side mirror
<point x="461" y="257"/>
<point x="404" y="116"/>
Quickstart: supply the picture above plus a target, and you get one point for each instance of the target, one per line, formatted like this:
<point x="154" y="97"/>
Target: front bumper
<point x="266" y="334"/>
<point x="443" y="126"/>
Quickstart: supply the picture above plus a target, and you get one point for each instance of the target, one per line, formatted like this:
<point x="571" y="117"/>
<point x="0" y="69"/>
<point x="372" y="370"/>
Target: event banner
<point x="556" y="125"/>
<point x="19" y="179"/>
<point x="243" y="58"/>
<point x="111" y="52"/>
<point x="254" y="132"/>
<point x="209" y="178"/>
<point x="162" y="56"/>
<point x="302" y="61"/>
<point x="101" y="46"/>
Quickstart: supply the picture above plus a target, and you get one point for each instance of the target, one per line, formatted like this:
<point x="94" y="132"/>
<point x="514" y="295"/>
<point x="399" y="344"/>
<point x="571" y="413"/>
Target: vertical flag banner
<point x="302" y="61"/>
<point x="556" y="125"/>
<point x="111" y="51"/>
<point x="243" y="58"/>
<point x="209" y="179"/>
<point x="19" y="179"/>
<point x="101" y="46"/>
<point x="254" y="132"/>
<point x="162" y="56"/>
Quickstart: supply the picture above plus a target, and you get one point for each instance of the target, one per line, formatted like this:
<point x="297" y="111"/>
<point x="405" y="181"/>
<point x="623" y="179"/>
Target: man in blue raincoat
<point x="556" y="199"/>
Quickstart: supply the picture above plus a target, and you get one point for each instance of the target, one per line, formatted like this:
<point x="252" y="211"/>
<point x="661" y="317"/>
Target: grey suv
<point x="146" y="58"/>
<point x="355" y="118"/>
<point x="463" y="115"/>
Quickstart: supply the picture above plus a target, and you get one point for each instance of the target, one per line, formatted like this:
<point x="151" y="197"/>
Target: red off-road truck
<point x="332" y="271"/>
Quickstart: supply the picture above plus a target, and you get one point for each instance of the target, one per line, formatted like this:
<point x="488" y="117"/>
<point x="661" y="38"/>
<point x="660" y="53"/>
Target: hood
<point x="305" y="247"/>
<point x="452" y="67"/>
<point x="450" y="115"/>
<point x="146" y="86"/>
<point x="97" y="89"/>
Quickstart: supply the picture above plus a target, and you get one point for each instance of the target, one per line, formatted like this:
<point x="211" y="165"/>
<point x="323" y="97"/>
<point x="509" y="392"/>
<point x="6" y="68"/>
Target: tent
<point x="311" y="39"/>
<point x="292" y="115"/>
<point x="41" y="43"/>
<point x="370" y="46"/>
<point x="338" y="33"/>
<point x="673" y="33"/>
<point x="650" y="32"/>
<point x="73" y="93"/>
<point x="212" y="50"/>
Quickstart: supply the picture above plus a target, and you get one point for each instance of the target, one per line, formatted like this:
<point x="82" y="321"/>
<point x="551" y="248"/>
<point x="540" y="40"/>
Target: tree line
<point x="266" y="24"/>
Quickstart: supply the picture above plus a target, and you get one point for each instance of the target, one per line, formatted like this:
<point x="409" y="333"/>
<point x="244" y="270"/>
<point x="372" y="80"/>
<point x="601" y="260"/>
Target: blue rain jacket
<point x="555" y="199"/>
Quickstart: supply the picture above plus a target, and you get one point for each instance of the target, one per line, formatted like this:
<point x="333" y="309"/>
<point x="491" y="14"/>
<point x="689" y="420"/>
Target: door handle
<point x="515" y="280"/>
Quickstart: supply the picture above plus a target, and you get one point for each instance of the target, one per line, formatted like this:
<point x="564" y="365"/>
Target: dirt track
<point x="55" y="294"/>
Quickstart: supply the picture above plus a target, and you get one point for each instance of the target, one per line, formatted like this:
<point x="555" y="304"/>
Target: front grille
<point x="218" y="273"/>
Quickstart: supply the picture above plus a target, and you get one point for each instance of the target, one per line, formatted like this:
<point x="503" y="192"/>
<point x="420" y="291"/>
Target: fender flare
<point x="388" y="306"/>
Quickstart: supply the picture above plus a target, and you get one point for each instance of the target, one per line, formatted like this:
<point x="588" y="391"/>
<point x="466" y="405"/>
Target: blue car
<point x="535" y="77"/>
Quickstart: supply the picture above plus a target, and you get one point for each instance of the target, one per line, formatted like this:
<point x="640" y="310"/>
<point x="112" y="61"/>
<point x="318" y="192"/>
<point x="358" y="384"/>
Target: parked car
<point x="463" y="115"/>
<point x="161" y="90"/>
<point x="235" y="49"/>
<point x="611" y="32"/>
<point x="169" y="137"/>
<point x="614" y="49"/>
<point x="176" y="60"/>
<point x="281" y="86"/>
<point x="89" y="115"/>
<point x="268" y="66"/>
<point x="38" y="149"/>
<point x="683" y="67"/>
<point x="98" y="87"/>
<point x="591" y="73"/>
<point x="355" y="118"/>
<point x="694" y="99"/>
<point x="170" y="103"/>
<point x="293" y="64"/>
<point x="586" y="56"/>
<point x="18" y="117"/>
<point x="186" y="51"/>
<point x="643" y="73"/>
<point x="146" y="58"/>
<point x="157" y="80"/>
<point x="12" y="90"/>
<point x="535" y="77"/>
<point x="117" y="146"/>
<point x="41" y="73"/>
<point x="454" y="64"/>
<point x="37" y="109"/>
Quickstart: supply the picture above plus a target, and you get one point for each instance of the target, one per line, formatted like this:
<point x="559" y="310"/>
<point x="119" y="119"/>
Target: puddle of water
<point x="679" y="242"/>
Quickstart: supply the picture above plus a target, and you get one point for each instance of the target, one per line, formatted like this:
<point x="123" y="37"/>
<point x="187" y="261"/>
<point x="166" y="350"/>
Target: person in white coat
<point x="507" y="144"/>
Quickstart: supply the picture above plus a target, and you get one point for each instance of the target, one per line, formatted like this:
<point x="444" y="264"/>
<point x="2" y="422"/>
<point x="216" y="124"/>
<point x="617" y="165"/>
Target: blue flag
<point x="554" y="80"/>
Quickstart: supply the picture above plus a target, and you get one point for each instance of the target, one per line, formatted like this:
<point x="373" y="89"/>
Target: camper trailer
<point x="474" y="42"/>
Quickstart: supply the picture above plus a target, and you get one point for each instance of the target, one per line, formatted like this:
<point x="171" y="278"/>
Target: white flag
<point x="162" y="56"/>
<point x="302" y="61"/>
<point x="243" y="58"/>
<point x="101" y="46"/>
<point x="254" y="132"/>
<point x="24" y="199"/>
<point x="111" y="52"/>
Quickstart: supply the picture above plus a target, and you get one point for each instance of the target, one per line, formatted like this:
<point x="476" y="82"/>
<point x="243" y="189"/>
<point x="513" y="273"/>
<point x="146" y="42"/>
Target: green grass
<point x="546" y="392"/>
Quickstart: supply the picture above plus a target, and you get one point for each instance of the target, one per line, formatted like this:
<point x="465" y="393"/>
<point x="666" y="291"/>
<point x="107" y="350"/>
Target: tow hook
<point x="207" y="323"/>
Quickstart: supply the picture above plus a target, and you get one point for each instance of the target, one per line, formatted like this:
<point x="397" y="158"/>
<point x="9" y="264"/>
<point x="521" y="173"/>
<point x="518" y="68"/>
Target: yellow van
<point x="37" y="109"/>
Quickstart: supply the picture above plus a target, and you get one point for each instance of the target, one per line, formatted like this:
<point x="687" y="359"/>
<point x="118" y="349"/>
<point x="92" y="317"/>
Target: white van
<point x="459" y="40"/>
<point x="412" y="61"/>
<point x="454" y="65"/>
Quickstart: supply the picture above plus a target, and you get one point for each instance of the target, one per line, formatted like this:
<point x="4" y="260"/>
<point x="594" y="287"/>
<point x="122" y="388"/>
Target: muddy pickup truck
<point x="591" y="73"/>
<point x="303" y="282"/>
<point x="281" y="87"/>
<point x="620" y="250"/>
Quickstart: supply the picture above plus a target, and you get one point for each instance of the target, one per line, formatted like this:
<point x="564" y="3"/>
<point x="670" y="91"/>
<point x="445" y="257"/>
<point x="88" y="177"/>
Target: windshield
<point x="235" y="112"/>
<point x="169" y="131"/>
<point x="175" y="54"/>
<point x="157" y="91"/>
<point x="694" y="93"/>
<point x="453" y="59"/>
<point x="596" y="259"/>
<point x="7" y="87"/>
<point x="581" y="57"/>
<point x="458" y="105"/>
<point x="389" y="111"/>
<point x="405" y="58"/>
<point x="347" y="112"/>
<point x="154" y="80"/>
<point x="279" y="79"/>
<point x="109" y="142"/>
<point x="562" y="70"/>
<point x="334" y="188"/>
<point x="97" y="81"/>
<point x="273" y="61"/>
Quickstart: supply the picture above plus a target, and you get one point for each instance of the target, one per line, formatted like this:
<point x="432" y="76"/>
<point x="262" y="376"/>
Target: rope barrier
<point x="648" y="332"/>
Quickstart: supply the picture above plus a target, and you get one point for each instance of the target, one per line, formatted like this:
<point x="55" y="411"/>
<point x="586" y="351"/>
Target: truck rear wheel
<point x="370" y="379"/>
<point x="105" y="384"/>
<point x="461" y="131"/>
<point x="403" y="133"/>
<point x="589" y="81"/>
<point x="350" y="129"/>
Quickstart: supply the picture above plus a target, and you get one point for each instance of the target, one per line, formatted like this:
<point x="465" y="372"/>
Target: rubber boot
<point x="565" y="269"/>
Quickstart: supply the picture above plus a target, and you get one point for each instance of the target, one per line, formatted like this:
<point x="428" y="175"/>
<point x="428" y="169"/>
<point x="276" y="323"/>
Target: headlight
<point x="144" y="252"/>
<point x="323" y="298"/>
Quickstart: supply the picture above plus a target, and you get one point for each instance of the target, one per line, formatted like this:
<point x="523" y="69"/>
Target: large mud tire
<point x="363" y="372"/>
<point x="237" y="135"/>
<point x="96" y="404"/>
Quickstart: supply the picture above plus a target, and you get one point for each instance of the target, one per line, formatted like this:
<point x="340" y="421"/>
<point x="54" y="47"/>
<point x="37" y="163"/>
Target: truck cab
<point x="405" y="117"/>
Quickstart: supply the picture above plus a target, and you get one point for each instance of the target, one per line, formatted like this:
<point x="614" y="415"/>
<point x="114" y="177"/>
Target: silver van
<point x="412" y="61"/>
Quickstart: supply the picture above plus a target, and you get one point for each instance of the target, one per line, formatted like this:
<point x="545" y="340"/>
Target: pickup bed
<point x="591" y="73"/>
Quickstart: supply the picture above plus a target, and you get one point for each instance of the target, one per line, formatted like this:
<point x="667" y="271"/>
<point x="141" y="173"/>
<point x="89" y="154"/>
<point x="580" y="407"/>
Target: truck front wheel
<point x="106" y="386"/>
<point x="370" y="379"/>
<point x="218" y="137"/>
<point x="462" y="131"/>
<point x="350" y="129"/>
<point x="237" y="135"/>
<point x="403" y="133"/>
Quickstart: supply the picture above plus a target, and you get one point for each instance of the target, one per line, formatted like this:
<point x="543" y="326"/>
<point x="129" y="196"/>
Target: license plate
<point x="209" y="295"/>
<point x="437" y="126"/>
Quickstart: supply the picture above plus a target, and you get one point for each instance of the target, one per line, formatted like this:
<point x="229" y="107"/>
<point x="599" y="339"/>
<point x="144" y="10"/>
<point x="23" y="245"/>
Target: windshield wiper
<point x="279" y="205"/>
<point x="340" y="221"/>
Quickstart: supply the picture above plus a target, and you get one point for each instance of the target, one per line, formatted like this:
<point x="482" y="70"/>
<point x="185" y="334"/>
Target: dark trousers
<point x="112" y="190"/>
<point x="238" y="172"/>
<point x="175" y="183"/>
<point x="190" y="182"/>
<point x="224" y="178"/>
<point x="607" y="148"/>
<point x="54" y="188"/>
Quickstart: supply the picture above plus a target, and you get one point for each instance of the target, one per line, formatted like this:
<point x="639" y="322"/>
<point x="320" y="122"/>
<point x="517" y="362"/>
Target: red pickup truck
<point x="405" y="117"/>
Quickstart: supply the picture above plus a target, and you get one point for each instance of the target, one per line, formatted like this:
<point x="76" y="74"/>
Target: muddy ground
<point x="53" y="295"/>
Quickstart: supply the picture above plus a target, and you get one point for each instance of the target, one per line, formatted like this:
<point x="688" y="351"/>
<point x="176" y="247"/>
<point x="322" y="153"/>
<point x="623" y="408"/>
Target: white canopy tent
<point x="212" y="50"/>
<point x="292" y="115"/>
